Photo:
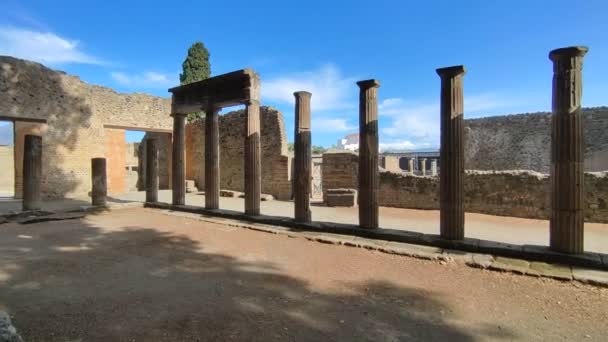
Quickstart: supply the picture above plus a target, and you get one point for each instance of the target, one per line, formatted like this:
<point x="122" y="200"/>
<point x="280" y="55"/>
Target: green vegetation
<point x="196" y="67"/>
<point x="316" y="149"/>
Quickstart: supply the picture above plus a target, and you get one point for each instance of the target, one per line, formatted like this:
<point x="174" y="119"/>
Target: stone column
<point x="178" y="171"/>
<point x="567" y="152"/>
<point x="303" y="158"/>
<point x="253" y="168"/>
<point x="368" y="153"/>
<point x="410" y="165"/>
<point x="434" y="167"/>
<point x="451" y="157"/>
<point x="151" y="171"/>
<point x="99" y="192"/>
<point x="423" y="166"/>
<point x="32" y="172"/>
<point x="212" y="158"/>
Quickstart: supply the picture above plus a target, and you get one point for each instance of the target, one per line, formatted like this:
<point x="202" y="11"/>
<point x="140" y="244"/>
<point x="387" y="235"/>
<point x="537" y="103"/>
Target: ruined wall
<point x="339" y="170"/>
<point x="523" y="141"/>
<point x="275" y="162"/>
<point x="165" y="150"/>
<point x="506" y="193"/>
<point x="76" y="115"/>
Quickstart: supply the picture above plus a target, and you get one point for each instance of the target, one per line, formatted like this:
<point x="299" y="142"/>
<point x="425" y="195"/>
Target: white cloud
<point x="148" y="79"/>
<point x="418" y="123"/>
<point x="44" y="47"/>
<point x="330" y="89"/>
<point x="331" y="125"/>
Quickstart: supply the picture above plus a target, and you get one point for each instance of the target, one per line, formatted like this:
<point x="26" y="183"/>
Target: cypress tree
<point x="196" y="67"/>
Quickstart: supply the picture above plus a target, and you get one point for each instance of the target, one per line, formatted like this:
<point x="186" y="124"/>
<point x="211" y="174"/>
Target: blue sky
<point x="325" y="47"/>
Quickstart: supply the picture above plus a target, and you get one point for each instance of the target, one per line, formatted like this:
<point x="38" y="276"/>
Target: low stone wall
<point x="505" y="193"/>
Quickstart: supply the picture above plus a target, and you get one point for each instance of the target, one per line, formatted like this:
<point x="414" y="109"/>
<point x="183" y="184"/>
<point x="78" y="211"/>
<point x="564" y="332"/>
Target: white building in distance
<point x="349" y="142"/>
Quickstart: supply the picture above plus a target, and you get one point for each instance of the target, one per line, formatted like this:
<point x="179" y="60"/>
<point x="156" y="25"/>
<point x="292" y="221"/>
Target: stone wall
<point x="275" y="161"/>
<point x="7" y="174"/>
<point x="523" y="141"/>
<point x="77" y="118"/>
<point x="506" y="193"/>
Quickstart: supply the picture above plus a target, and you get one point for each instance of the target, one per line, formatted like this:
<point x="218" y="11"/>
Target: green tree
<point x="196" y="67"/>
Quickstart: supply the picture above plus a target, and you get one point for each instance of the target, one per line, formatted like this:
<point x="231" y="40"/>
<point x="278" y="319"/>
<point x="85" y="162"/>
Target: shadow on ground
<point x="74" y="281"/>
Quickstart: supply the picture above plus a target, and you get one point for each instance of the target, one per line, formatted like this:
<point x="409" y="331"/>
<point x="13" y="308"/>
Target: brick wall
<point x="76" y="115"/>
<point x="275" y="162"/>
<point x="506" y="193"/>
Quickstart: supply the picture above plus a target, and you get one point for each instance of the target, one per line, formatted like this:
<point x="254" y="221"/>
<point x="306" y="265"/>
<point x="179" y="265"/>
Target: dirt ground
<point x="139" y="275"/>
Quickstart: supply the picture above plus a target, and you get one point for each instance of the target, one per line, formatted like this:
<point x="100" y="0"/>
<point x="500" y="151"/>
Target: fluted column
<point x="410" y="165"/>
<point x="151" y="171"/>
<point x="212" y="158"/>
<point x="567" y="152"/>
<point x="32" y="172"/>
<point x="303" y="157"/>
<point x="99" y="192"/>
<point x="253" y="169"/>
<point x="368" y="153"/>
<point x="451" y="157"/>
<point x="179" y="159"/>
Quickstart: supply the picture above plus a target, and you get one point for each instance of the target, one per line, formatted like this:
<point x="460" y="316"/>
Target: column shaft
<point x="212" y="159"/>
<point x="32" y="172"/>
<point x="151" y="170"/>
<point x="179" y="159"/>
<point x="567" y="152"/>
<point x="99" y="192"/>
<point x="451" y="158"/>
<point x="303" y="158"/>
<point x="423" y="166"/>
<point x="368" y="153"/>
<point x="253" y="169"/>
<point x="410" y="165"/>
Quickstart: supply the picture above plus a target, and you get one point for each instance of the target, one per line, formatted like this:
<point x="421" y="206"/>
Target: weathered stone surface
<point x="303" y="158"/>
<point x="552" y="270"/>
<point x="451" y="180"/>
<point x="275" y="160"/>
<point x="590" y="276"/>
<point x="230" y="193"/>
<point x="191" y="186"/>
<point x="518" y="142"/>
<point x="566" y="225"/>
<point x="52" y="217"/>
<point x="99" y="181"/>
<point x="505" y="193"/>
<point x="340" y="197"/>
<point x="77" y="116"/>
<point x="368" y="154"/>
<point x="32" y="172"/>
<point x="481" y="260"/>
<point x="178" y="163"/>
<point x="510" y="265"/>
<point x="8" y="333"/>
<point x="151" y="171"/>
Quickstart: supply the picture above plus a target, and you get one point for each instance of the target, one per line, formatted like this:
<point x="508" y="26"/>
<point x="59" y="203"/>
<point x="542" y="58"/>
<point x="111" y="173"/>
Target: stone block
<point x="8" y="333"/>
<point x="341" y="197"/>
<point x="191" y="186"/>
<point x="552" y="270"/>
<point x="481" y="260"/>
<point x="510" y="265"/>
<point x="230" y="193"/>
<point x="594" y="277"/>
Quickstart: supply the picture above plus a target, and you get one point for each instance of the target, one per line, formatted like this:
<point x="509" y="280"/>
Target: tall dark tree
<point x="196" y="67"/>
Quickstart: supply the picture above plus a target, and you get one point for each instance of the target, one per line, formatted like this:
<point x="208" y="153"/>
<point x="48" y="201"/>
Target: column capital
<point x="568" y="52"/>
<point x="366" y="84"/>
<point x="302" y="93"/>
<point x="452" y="71"/>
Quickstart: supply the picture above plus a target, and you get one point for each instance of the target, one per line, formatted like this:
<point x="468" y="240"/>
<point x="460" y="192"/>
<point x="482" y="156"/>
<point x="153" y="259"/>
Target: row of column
<point x="567" y="184"/>
<point x="567" y="156"/>
<point x="253" y="172"/>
